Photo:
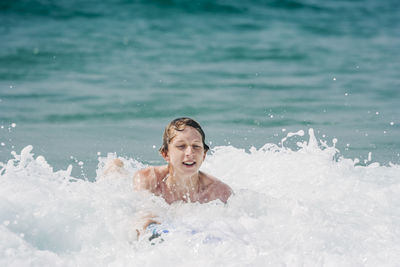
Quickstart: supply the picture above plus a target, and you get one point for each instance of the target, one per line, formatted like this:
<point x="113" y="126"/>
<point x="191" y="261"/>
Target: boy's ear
<point x="164" y="154"/>
<point x="205" y="154"/>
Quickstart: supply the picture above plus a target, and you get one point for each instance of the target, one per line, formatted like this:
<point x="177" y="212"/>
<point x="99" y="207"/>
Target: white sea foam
<point x="290" y="208"/>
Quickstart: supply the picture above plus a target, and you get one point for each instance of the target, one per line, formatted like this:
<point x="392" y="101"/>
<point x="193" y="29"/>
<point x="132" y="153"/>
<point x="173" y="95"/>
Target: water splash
<point x="291" y="207"/>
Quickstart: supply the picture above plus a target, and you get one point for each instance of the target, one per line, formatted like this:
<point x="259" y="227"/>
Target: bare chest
<point x="202" y="195"/>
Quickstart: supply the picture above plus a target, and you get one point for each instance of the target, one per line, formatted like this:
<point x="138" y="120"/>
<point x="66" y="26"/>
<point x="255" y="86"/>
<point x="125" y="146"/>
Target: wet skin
<point x="181" y="179"/>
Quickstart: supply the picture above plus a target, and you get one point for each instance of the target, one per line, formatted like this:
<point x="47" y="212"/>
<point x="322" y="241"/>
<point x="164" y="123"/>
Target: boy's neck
<point x="182" y="186"/>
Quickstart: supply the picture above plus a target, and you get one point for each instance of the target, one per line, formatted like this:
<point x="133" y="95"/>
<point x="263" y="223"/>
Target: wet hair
<point x="179" y="124"/>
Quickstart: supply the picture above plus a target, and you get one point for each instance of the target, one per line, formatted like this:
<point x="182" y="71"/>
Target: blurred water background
<point x="82" y="78"/>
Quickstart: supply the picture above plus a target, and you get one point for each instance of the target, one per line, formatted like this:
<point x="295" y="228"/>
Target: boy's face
<point x="186" y="152"/>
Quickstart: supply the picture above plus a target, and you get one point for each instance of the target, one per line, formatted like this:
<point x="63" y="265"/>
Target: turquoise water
<point x="78" y="78"/>
<point x="299" y="101"/>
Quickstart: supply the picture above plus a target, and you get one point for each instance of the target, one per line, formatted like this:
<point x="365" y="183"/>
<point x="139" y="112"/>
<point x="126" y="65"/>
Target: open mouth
<point x="189" y="163"/>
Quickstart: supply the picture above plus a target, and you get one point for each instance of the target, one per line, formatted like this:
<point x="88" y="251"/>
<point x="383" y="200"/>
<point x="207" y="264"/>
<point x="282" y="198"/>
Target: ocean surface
<point x="299" y="100"/>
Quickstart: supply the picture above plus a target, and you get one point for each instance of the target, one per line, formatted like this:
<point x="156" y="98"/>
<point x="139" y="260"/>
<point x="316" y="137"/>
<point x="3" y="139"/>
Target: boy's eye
<point x="196" y="147"/>
<point x="181" y="146"/>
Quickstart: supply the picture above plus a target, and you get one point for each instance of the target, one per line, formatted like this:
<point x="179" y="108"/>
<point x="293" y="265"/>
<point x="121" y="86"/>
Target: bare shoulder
<point x="214" y="188"/>
<point x="148" y="178"/>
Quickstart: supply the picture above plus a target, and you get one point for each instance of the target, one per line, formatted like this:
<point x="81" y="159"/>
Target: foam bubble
<point x="291" y="207"/>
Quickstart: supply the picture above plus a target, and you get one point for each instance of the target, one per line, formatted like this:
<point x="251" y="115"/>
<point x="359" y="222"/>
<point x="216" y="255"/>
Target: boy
<point x="184" y="150"/>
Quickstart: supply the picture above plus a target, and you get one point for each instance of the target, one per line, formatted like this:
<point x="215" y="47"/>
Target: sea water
<point x="80" y="78"/>
<point x="289" y="208"/>
<point x="82" y="82"/>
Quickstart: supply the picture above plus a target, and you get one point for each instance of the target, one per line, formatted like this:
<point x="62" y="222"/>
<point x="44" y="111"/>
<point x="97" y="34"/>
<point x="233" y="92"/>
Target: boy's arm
<point x="144" y="221"/>
<point x="144" y="180"/>
<point x="216" y="189"/>
<point x="140" y="180"/>
<point x="223" y="191"/>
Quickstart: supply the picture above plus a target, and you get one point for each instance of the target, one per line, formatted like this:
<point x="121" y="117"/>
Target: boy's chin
<point x="189" y="170"/>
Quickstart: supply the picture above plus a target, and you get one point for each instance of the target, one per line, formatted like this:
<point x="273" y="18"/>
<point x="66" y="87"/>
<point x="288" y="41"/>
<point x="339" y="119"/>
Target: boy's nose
<point x="189" y="150"/>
